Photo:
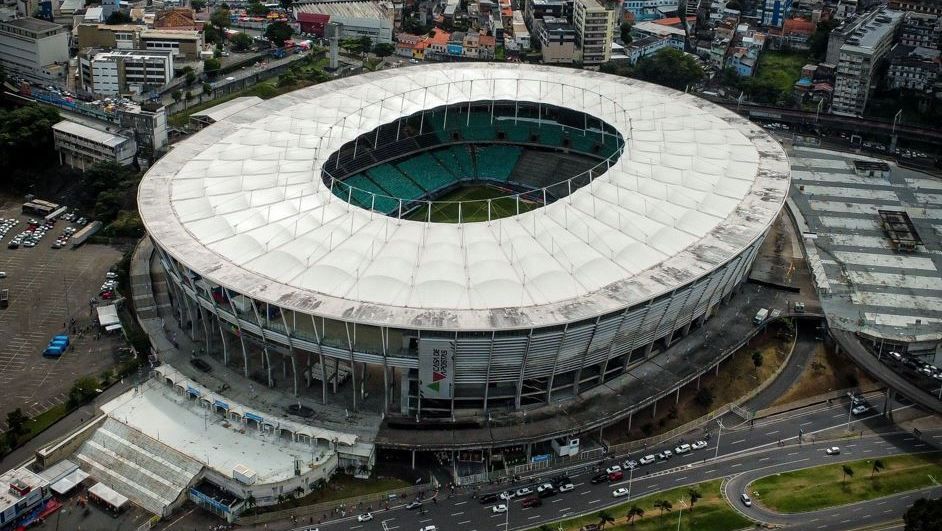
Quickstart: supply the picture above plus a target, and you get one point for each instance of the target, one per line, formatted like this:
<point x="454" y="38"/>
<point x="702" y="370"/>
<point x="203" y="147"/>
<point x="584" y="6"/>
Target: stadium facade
<point x="302" y="232"/>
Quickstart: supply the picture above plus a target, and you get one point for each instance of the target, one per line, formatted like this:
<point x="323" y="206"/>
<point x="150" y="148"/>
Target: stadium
<point x="449" y="240"/>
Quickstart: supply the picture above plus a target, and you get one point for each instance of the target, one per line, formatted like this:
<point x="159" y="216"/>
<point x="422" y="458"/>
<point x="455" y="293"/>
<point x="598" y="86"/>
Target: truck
<point x="761" y="315"/>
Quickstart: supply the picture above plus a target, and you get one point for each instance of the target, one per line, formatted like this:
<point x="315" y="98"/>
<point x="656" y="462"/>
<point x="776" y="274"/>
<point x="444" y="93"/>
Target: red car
<point x="615" y="476"/>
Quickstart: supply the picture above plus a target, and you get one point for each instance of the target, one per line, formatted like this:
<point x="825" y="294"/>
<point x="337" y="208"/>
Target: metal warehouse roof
<point x="243" y="203"/>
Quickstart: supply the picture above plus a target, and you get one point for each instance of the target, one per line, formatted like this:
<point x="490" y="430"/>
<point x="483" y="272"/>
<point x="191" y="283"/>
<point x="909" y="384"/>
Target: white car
<point x="567" y="487"/>
<point x="428" y="528"/>
<point x="507" y="495"/>
<point x="860" y="410"/>
<point x="524" y="492"/>
<point x="618" y="493"/>
<point x="746" y="500"/>
<point x="834" y="450"/>
<point x="499" y="508"/>
<point x="612" y="469"/>
<point x="631" y="464"/>
<point x="682" y="449"/>
<point x="3" y="274"/>
<point x="698" y="445"/>
<point x="365" y="517"/>
<point x="646" y="460"/>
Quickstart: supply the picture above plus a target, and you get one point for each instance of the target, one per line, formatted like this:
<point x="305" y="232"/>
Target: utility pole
<point x="718" y="436"/>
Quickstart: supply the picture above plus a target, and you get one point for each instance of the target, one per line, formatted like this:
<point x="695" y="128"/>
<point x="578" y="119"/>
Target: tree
<point x="848" y="471"/>
<point x="633" y="512"/>
<point x="220" y="17"/>
<point x="383" y="49"/>
<point x="287" y="79"/>
<point x="357" y="45"/>
<point x="83" y="390"/>
<point x="605" y="518"/>
<point x="924" y="515"/>
<point x="241" y="41"/>
<point x="16" y="422"/>
<point x="693" y="495"/>
<point x="211" y="65"/>
<point x="190" y="78"/>
<point x="278" y="32"/>
<point x="625" y="30"/>
<point x="663" y="505"/>
<point x="118" y="17"/>
<point x="176" y="95"/>
<point x="877" y="466"/>
<point x="704" y="397"/>
<point x="250" y="502"/>
<point x="757" y="360"/>
<point x="669" y="67"/>
<point x="256" y="9"/>
<point x="198" y="5"/>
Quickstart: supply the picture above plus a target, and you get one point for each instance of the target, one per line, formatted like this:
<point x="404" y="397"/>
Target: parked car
<point x="834" y="450"/>
<point x="532" y="501"/>
<point x="414" y="504"/>
<point x="613" y="468"/>
<point x="646" y="460"/>
<point x="615" y="476"/>
<point x="699" y="445"/>
<point x="682" y="449"/>
<point x="599" y="478"/>
<point x="567" y="487"/>
<point x="499" y="508"/>
<point x="366" y="517"/>
<point x="488" y="498"/>
<point x="507" y="495"/>
<point x="618" y="493"/>
<point x="631" y="464"/>
<point x="523" y="491"/>
<point x="860" y="410"/>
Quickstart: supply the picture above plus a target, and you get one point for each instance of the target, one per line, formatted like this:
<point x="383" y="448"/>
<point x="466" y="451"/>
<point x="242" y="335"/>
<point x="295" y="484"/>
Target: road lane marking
<point x="461" y="503"/>
<point x="772" y="432"/>
<point x="426" y="520"/>
<point x="457" y="514"/>
<point x="465" y="522"/>
<point x="594" y="501"/>
<point x="805" y="423"/>
<point x="681" y="479"/>
<point x="764" y="458"/>
<point x="534" y="517"/>
<point x="556" y="500"/>
<point x="737" y="464"/>
<point x="739" y="441"/>
<point x="584" y="493"/>
<point x="564" y="509"/>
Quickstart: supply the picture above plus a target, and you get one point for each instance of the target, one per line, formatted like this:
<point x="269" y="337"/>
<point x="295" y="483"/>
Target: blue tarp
<point x="253" y="416"/>
<point x="220" y="403"/>
<point x="192" y="391"/>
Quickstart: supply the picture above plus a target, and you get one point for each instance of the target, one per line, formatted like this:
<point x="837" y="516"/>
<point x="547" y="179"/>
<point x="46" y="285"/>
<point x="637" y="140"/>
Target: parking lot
<point x="47" y="288"/>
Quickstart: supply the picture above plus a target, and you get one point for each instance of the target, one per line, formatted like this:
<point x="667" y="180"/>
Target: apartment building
<point x="594" y="21"/>
<point x="35" y="49"/>
<point x="81" y="146"/>
<point x="109" y="73"/>
<point x="913" y="68"/>
<point x="557" y="40"/>
<point x="865" y="44"/>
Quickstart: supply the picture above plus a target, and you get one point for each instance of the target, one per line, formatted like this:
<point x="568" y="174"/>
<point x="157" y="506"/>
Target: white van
<point x="760" y="316"/>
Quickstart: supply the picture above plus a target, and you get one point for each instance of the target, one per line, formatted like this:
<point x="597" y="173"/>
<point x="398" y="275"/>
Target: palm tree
<point x="877" y="466"/>
<point x="694" y="495"/>
<point x="663" y="505"/>
<point x="605" y="518"/>
<point x="848" y="471"/>
<point x="634" y="511"/>
<point x="250" y="502"/>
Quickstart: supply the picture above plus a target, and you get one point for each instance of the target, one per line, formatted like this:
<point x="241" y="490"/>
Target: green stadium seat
<point x="550" y="135"/>
<point x="458" y="160"/>
<point x="497" y="162"/>
<point x="425" y="170"/>
<point x="394" y="182"/>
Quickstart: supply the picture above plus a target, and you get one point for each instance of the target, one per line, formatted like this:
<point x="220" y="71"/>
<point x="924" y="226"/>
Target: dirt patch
<point x="826" y="371"/>
<point x="737" y="376"/>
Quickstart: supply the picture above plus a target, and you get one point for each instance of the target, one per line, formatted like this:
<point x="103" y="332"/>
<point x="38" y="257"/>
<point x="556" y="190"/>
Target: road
<point x="740" y="448"/>
<point x="872" y="511"/>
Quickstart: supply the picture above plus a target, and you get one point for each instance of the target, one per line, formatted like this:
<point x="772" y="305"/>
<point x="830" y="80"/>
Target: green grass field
<point x="711" y="512"/>
<point x="782" y="68"/>
<point x="824" y="486"/>
<point x="473" y="207"/>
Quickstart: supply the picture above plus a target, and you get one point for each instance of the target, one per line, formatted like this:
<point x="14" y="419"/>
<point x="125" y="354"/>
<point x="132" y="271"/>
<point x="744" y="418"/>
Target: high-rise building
<point x="932" y="7"/>
<point x="34" y="49"/>
<point x="865" y="42"/>
<point x="774" y="12"/>
<point x="594" y="21"/>
<point x="557" y="40"/>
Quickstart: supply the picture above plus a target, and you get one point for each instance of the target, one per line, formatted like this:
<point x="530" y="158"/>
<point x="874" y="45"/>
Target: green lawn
<point x="824" y="486"/>
<point x="340" y="487"/>
<point x="709" y="513"/>
<point x="781" y="68"/>
<point x="473" y="207"/>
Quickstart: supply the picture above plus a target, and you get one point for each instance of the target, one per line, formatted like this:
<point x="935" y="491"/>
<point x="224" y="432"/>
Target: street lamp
<point x="896" y="119"/>
<point x="718" y="435"/>
<point x="680" y="512"/>
<point x="817" y="112"/>
<point x="631" y="473"/>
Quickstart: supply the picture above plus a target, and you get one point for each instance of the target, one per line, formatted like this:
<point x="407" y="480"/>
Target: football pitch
<point x="474" y="200"/>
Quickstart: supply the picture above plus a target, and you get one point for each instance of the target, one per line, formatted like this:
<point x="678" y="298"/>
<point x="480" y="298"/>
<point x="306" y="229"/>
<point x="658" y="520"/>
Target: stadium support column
<point x="586" y="355"/>
<point x="523" y="367"/>
<point x="384" y="335"/>
<point x="552" y="378"/>
<point x="351" y="339"/>
<point x="225" y="344"/>
<point x="487" y="377"/>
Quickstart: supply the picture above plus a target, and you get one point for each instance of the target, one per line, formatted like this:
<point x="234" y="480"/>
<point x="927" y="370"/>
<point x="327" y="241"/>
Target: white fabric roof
<point x="226" y="109"/>
<point x="108" y="495"/>
<point x="108" y="315"/>
<point x="69" y="482"/>
<point x="243" y="203"/>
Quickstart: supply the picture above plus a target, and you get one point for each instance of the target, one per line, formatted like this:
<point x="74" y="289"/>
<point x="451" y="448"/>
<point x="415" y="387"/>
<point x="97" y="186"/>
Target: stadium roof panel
<point x="243" y="203"/>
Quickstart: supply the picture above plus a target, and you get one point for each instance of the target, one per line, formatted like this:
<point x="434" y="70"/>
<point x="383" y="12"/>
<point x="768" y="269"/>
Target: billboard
<point x="436" y="368"/>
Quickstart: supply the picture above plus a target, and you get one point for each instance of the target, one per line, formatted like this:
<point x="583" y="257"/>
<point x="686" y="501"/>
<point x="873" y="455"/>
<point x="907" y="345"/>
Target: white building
<point x="125" y="71"/>
<point x="81" y="146"/>
<point x="859" y="57"/>
<point x="22" y="492"/>
<point x="34" y="48"/>
<point x="595" y="27"/>
<point x="358" y="19"/>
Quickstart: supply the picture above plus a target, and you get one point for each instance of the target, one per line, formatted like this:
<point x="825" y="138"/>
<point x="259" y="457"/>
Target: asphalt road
<point x="867" y="512"/>
<point x="740" y="449"/>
